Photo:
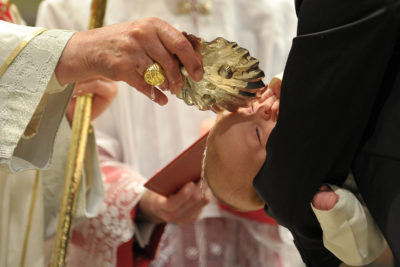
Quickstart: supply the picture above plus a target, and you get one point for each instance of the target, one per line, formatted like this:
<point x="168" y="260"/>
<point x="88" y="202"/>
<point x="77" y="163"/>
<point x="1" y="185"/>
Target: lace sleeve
<point x="96" y="240"/>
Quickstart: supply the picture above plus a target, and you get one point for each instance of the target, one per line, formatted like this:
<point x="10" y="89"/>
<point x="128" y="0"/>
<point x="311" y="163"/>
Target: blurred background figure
<point x="146" y="137"/>
<point x="28" y="10"/>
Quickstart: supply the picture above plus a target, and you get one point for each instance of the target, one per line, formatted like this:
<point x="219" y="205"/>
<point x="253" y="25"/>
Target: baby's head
<point x="235" y="154"/>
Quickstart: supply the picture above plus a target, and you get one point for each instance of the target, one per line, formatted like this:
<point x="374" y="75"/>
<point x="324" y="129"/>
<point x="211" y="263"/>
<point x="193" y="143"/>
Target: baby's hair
<point x="209" y="153"/>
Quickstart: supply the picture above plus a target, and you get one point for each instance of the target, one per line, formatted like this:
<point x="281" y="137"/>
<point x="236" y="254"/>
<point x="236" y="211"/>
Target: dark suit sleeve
<point x="331" y="80"/>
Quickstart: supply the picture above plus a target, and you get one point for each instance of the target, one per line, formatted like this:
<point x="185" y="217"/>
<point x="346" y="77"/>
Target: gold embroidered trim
<point x="18" y="50"/>
<point x="30" y="216"/>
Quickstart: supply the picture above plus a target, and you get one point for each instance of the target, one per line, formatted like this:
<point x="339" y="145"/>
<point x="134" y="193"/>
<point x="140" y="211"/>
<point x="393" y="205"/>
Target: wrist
<point x="72" y="65"/>
<point x="145" y="213"/>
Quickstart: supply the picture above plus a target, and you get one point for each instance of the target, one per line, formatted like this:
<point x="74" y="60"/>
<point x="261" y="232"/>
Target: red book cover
<point x="183" y="169"/>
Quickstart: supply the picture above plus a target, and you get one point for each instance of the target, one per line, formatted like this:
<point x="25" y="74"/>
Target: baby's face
<point x="243" y="135"/>
<point x="239" y="140"/>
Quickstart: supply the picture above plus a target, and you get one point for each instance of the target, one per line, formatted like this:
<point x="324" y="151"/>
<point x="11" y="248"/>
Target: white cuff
<point x="349" y="230"/>
<point x="143" y="232"/>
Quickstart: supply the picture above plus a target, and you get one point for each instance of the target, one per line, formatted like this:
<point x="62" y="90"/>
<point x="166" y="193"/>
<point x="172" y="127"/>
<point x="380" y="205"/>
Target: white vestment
<point x="32" y="125"/>
<point x="145" y="136"/>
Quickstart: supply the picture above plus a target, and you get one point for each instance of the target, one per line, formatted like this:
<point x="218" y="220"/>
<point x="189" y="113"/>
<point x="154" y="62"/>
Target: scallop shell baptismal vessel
<point x="232" y="78"/>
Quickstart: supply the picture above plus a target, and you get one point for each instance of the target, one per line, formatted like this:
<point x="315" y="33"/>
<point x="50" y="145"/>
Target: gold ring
<point x="154" y="75"/>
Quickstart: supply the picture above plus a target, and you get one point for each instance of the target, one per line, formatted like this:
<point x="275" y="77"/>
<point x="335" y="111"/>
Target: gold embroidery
<point x="30" y="216"/>
<point x="18" y="50"/>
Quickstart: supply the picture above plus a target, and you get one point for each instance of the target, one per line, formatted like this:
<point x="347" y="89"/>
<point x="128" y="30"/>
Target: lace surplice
<point x="96" y="240"/>
<point x="226" y="241"/>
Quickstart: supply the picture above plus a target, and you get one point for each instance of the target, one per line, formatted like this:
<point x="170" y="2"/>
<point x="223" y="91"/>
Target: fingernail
<point x="198" y="75"/>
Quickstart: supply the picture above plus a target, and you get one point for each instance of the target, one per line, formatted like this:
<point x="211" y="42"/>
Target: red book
<point x="183" y="169"/>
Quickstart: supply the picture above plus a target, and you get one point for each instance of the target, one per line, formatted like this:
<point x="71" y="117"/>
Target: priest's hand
<point x="124" y="51"/>
<point x="181" y="208"/>
<point x="104" y="91"/>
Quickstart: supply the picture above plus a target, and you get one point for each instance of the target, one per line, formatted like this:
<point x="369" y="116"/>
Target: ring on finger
<point x="154" y="75"/>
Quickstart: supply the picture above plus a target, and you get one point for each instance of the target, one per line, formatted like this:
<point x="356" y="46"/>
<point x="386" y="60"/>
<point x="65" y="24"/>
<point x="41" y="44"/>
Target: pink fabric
<point x="107" y="240"/>
<point x="221" y="242"/>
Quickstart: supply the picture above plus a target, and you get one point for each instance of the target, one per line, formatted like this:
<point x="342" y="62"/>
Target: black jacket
<point x="339" y="112"/>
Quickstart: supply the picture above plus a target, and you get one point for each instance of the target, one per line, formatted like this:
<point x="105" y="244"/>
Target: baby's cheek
<point x="270" y="126"/>
<point x="262" y="156"/>
<point x="258" y="160"/>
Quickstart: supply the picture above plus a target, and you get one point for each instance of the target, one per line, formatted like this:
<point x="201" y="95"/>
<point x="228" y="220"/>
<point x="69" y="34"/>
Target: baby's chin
<point x="237" y="200"/>
<point x="246" y="207"/>
<point x="245" y="204"/>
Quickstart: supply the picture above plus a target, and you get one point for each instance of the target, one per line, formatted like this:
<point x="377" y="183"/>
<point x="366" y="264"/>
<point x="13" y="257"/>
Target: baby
<point x="236" y="152"/>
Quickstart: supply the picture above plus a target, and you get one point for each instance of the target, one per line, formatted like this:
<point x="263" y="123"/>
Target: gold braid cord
<point x="76" y="155"/>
